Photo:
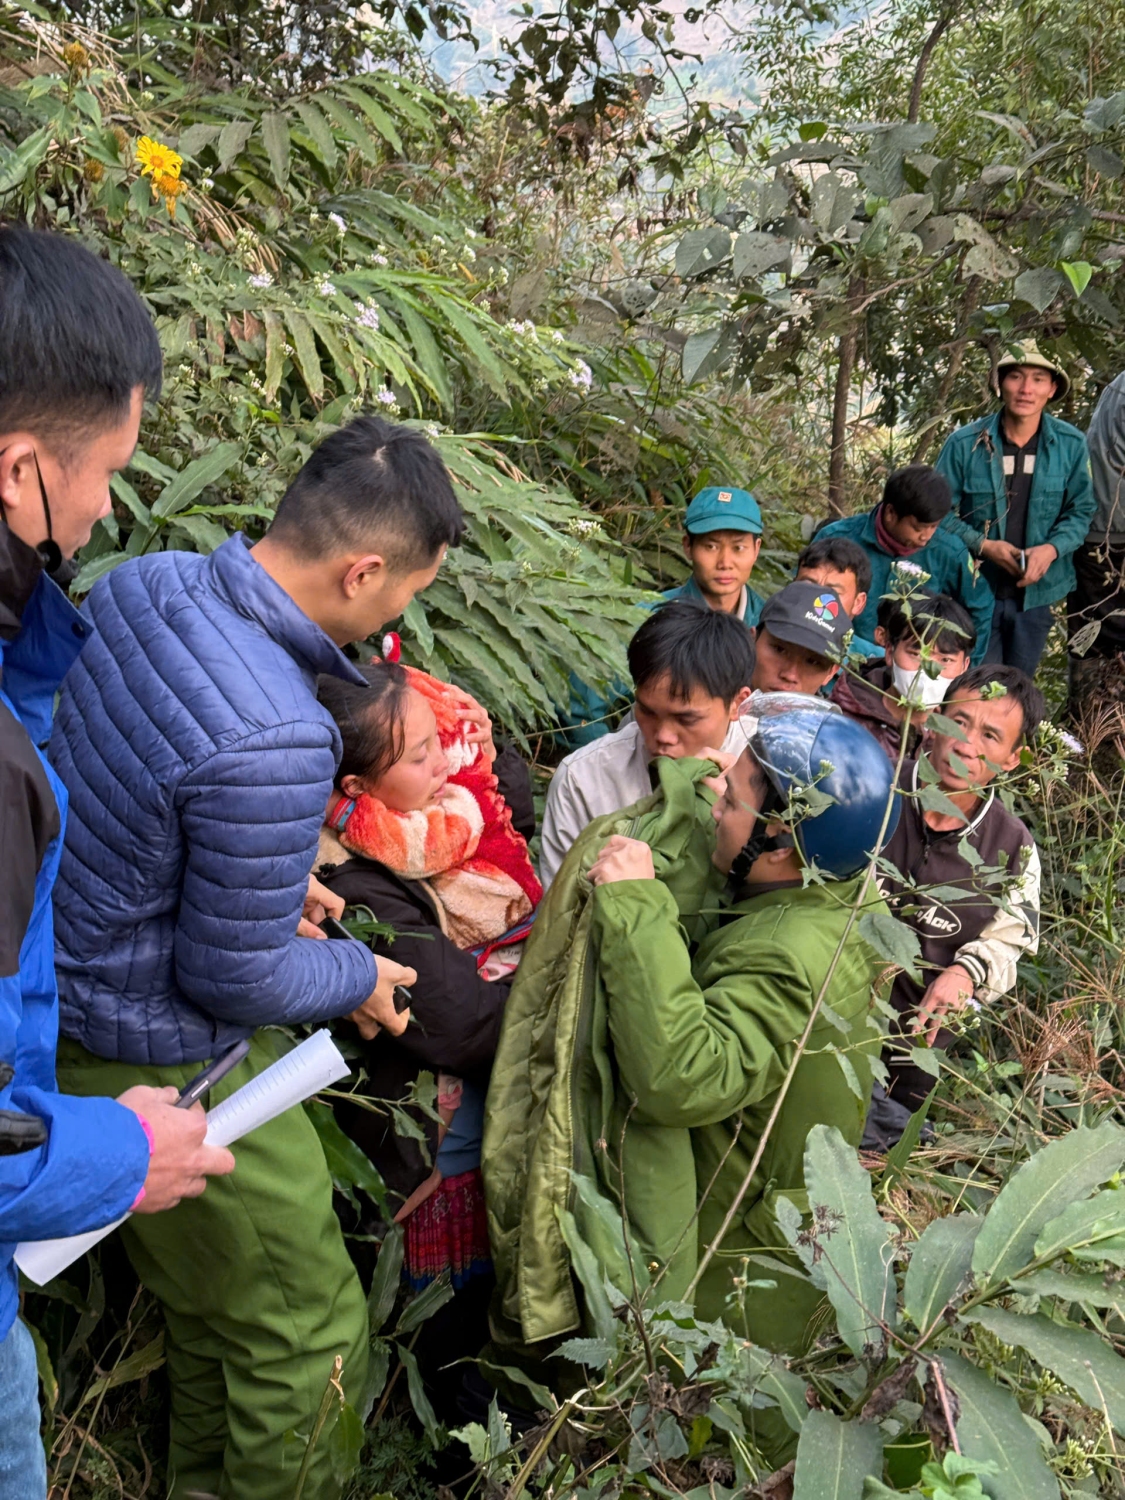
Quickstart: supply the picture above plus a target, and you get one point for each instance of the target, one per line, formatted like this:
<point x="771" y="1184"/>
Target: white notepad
<point x="297" y="1076"/>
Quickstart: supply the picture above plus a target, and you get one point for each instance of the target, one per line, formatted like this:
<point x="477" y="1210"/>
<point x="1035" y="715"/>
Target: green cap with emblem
<point x="723" y="509"/>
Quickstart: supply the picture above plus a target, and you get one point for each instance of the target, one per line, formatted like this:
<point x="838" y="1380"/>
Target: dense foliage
<point x="596" y="304"/>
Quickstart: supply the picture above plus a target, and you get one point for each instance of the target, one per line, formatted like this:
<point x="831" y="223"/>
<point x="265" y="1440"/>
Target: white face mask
<point x="915" y="687"/>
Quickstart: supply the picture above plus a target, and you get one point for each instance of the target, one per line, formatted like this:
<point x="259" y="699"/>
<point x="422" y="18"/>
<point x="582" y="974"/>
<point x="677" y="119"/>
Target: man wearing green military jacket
<point x="734" y="1043"/>
<point x="1022" y="501"/>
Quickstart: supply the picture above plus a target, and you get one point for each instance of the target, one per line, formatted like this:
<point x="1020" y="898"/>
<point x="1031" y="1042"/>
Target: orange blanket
<point x="464" y="846"/>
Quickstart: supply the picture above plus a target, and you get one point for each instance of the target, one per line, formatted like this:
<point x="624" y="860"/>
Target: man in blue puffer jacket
<point x="199" y="765"/>
<point x="77" y="353"/>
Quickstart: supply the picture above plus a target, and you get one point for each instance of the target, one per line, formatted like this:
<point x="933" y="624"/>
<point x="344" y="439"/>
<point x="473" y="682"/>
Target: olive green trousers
<point x="259" y="1297"/>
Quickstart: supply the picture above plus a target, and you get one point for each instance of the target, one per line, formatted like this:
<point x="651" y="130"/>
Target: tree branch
<point x="927" y="52"/>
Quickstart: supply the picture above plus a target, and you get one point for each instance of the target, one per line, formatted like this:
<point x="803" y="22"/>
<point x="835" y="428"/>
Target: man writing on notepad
<point x="199" y="763"/>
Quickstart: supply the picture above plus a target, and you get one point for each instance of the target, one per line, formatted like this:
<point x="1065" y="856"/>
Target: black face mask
<point x="49" y="554"/>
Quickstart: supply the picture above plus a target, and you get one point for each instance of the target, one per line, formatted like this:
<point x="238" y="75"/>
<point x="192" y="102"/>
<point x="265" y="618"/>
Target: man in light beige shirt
<point x="691" y="668"/>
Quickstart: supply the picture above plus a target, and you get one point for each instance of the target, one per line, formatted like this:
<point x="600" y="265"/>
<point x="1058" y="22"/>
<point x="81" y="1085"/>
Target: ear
<point x="17" y="470"/>
<point x="736" y="703"/>
<point x="1010" y="762"/>
<point x="860" y="605"/>
<point x="687" y="545"/>
<point x="888" y="651"/>
<point x="351" y="786"/>
<point x="364" y="570"/>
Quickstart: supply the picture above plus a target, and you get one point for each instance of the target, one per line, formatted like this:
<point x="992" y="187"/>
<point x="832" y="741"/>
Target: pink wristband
<point x="147" y="1128"/>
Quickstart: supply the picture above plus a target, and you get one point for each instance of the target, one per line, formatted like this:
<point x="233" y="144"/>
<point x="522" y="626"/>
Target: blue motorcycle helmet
<point x="804" y="742"/>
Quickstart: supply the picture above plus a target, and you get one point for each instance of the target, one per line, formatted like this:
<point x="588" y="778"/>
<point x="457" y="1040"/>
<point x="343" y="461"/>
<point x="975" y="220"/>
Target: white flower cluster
<point x="379" y="260"/>
<point x="387" y="399"/>
<point x="584" y="526"/>
<point x="556" y="336"/>
<point x="581" y="377"/>
<point x="367" y="315"/>
<point x="337" y="220"/>
<point x="524" y="327"/>
<point x="468" y="254"/>
<point x="324" y="288"/>
<point x="909" y="569"/>
<point x="261" y="280"/>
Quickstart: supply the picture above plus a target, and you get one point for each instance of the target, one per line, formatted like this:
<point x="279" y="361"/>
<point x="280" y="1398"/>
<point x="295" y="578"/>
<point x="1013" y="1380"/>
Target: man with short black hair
<point x="199" y="763"/>
<point x="78" y="356"/>
<point x="930" y="629"/>
<point x="838" y="563"/>
<point x="691" y="669"/>
<point x="801" y="640"/>
<point x="1023" y="501"/>
<point x="970" y="946"/>
<point x="904" y="539"/>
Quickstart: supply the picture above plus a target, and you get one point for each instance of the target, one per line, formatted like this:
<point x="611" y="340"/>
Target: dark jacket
<point x="862" y="697"/>
<point x="458" y="1013"/>
<point x="1059" y="509"/>
<point x="198" y="763"/>
<point x="96" y="1156"/>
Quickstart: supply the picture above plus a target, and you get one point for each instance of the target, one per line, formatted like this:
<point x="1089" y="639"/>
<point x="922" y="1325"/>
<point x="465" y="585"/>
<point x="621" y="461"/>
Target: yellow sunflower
<point x="157" y="160"/>
<point x="168" y="188"/>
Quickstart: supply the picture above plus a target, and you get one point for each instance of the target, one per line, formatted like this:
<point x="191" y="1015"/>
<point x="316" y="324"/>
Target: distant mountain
<point x="719" y="76"/>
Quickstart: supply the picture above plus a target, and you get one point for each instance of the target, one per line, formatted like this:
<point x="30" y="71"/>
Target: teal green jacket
<point x="1060" y="507"/>
<point x="705" y="1043"/>
<point x="751" y="614"/>
<point x="945" y="558"/>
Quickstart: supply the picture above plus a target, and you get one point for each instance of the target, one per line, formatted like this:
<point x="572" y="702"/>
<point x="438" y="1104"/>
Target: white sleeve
<point x="563" y="820"/>
<point x="1011" y="932"/>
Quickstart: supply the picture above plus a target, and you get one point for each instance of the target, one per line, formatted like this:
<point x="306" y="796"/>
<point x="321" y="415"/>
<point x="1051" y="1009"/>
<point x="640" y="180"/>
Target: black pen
<point x="211" y="1074"/>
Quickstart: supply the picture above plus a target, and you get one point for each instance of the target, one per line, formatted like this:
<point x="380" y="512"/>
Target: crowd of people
<point x="198" y="772"/>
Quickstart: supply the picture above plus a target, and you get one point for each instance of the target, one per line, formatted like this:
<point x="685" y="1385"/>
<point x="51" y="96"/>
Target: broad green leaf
<point x="768" y="1373"/>
<point x="900" y="1153"/>
<point x="14" y="165"/>
<point x="1078" y="273"/>
<point x="701" y="250"/>
<point x="1081" y="1286"/>
<point x="275" y="134"/>
<point x="853" y="1250"/>
<point x="348" y="1166"/>
<point x="319" y="132"/>
<point x="595" y="1352"/>
<point x="414" y="618"/>
<point x="47" y="1377"/>
<point x="197" y="138"/>
<point x="835" y="1457"/>
<point x="351" y="129"/>
<point x="1065" y="1170"/>
<point x="1039" y="288"/>
<point x="425" y="1304"/>
<point x="385" y="1282"/>
<point x="992" y="1427"/>
<point x="698" y="349"/>
<point x="939" y="1265"/>
<point x="128" y="496"/>
<point x="418" y="1398"/>
<point x="755" y="252"/>
<point x="275" y="351"/>
<point x="90" y="572"/>
<point x="1104" y="161"/>
<point x="345" y="1443"/>
<point x="134" y="1367"/>
<point x="232" y="141"/>
<point x="589" y="1273"/>
<point x="304" y="345"/>
<point x="1080" y="1358"/>
<point x="194" y="479"/>
<point x="1083" y="1224"/>
<point x="378" y="116"/>
<point x="892" y="940"/>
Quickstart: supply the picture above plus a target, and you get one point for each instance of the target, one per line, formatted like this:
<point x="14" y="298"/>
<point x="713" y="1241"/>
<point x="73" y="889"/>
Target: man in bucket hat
<point x="1022" y="501"/>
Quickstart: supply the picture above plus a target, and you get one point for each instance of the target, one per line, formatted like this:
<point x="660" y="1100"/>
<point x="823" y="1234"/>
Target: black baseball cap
<point x="809" y="615"/>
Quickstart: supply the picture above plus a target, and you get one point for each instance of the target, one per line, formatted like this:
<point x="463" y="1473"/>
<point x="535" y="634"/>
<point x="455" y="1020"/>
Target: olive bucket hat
<point x="1029" y="353"/>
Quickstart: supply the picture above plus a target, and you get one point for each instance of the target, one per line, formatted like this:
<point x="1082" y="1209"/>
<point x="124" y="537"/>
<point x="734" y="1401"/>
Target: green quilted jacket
<point x="555" y="1104"/>
<point x="704" y="1044"/>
